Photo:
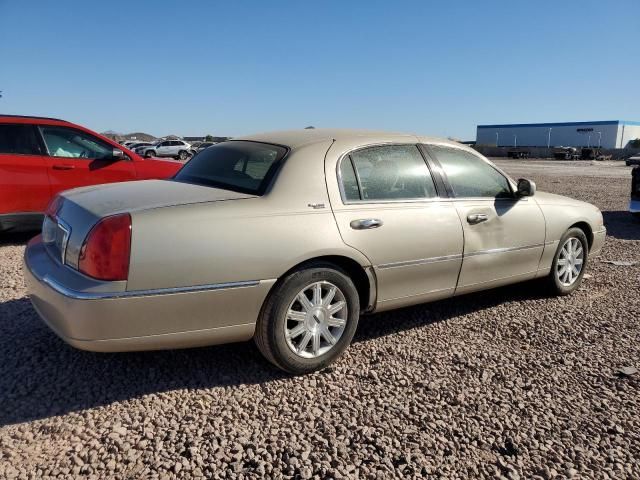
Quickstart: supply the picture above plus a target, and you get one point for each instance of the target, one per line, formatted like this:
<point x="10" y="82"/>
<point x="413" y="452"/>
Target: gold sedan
<point x="288" y="237"/>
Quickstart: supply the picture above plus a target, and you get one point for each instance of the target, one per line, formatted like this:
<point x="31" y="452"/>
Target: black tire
<point x="182" y="155"/>
<point x="556" y="287"/>
<point x="270" y="328"/>
<point x="149" y="154"/>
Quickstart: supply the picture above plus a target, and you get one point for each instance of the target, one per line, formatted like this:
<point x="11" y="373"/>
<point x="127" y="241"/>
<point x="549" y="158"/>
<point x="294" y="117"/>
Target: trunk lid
<point x="113" y="198"/>
<point x="81" y="208"/>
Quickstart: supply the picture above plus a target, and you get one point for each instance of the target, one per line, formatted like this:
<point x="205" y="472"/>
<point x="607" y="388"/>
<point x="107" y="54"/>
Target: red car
<point x="40" y="157"/>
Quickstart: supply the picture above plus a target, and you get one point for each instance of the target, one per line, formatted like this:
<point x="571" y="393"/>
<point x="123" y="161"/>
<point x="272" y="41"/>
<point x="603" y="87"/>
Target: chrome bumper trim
<point x="76" y="295"/>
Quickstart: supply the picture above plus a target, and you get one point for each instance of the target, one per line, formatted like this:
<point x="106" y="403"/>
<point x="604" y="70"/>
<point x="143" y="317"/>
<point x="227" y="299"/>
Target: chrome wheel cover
<point x="315" y="319"/>
<point x="570" y="262"/>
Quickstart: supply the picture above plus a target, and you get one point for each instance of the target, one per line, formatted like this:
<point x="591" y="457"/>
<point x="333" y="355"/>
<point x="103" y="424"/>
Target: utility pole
<point x="515" y="141"/>
<point x="549" y="138"/>
<point x="599" y="138"/>
<point x="496" y="139"/>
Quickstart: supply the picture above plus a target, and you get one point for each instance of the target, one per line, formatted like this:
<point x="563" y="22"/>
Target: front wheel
<point x="569" y="262"/>
<point x="149" y="154"/>
<point x="182" y="155"/>
<point x="309" y="319"/>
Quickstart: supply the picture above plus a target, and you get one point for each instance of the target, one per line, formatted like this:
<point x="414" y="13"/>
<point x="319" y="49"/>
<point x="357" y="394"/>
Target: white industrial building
<point x="606" y="134"/>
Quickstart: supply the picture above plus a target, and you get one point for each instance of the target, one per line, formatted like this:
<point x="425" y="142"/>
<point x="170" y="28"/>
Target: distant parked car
<point x="178" y="149"/>
<point x="633" y="161"/>
<point x="201" y="146"/>
<point x="566" y="153"/>
<point x="288" y="237"/>
<point x="134" y="146"/>
<point x="634" y="204"/>
<point x="518" y="153"/>
<point x="40" y="157"/>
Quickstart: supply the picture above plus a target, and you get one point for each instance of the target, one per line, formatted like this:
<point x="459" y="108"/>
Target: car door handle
<point x="365" y="223"/>
<point x="63" y="167"/>
<point x="477" y="218"/>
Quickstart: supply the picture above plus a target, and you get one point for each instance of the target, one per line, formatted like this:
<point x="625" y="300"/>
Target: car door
<point x="504" y="235"/>
<point x="24" y="183"/>
<point x="76" y="158"/>
<point x="176" y="146"/>
<point x="387" y="206"/>
<point x="164" y="149"/>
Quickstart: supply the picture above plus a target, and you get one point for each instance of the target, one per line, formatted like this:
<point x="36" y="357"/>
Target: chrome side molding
<point x="76" y="295"/>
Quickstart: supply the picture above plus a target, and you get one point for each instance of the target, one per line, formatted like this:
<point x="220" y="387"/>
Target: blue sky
<point x="229" y="68"/>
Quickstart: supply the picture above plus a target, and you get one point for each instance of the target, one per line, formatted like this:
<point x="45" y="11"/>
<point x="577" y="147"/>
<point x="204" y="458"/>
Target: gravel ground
<point x="504" y="383"/>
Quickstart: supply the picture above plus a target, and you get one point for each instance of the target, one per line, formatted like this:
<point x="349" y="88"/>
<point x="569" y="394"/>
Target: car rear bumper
<point x="98" y="320"/>
<point x="634" y="206"/>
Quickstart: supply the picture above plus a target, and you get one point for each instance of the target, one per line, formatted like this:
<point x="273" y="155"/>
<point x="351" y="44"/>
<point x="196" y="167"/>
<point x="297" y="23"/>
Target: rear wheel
<point x="150" y="153"/>
<point x="309" y="319"/>
<point x="569" y="262"/>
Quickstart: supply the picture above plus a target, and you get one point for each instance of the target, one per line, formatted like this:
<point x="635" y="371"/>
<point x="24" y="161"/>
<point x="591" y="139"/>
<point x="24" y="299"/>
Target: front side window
<point x="387" y="172"/>
<point x="71" y="143"/>
<point x="469" y="175"/>
<point x="18" y="139"/>
<point x="241" y="166"/>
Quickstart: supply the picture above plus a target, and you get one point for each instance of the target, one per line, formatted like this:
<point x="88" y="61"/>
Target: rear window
<point x="18" y="139"/>
<point x="241" y="166"/>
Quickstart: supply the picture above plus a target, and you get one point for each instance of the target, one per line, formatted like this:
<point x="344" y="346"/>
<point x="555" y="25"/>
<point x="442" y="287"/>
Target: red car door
<point x="76" y="158"/>
<point x="24" y="184"/>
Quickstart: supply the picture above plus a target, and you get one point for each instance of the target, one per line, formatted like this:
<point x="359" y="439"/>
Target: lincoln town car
<point x="288" y="237"/>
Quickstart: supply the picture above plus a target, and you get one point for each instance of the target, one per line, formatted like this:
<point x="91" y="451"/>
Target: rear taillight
<point x="105" y="252"/>
<point x="54" y="206"/>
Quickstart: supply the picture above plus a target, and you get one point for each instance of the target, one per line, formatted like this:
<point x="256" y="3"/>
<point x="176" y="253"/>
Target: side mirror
<point x="117" y="154"/>
<point x="526" y="188"/>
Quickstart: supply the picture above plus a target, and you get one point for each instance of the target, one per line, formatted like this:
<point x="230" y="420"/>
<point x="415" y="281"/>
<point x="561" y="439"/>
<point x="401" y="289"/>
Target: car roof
<point x="298" y="138"/>
<point x="28" y="119"/>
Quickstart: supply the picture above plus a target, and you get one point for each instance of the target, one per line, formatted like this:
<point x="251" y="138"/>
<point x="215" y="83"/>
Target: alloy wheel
<point x="315" y="319"/>
<point x="570" y="262"/>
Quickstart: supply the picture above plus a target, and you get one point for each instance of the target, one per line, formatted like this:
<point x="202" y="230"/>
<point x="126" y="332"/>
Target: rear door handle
<point x="477" y="218"/>
<point x="365" y="223"/>
<point x="63" y="167"/>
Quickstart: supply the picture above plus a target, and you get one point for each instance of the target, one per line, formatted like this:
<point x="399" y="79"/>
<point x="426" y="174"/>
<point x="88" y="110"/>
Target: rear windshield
<point x="241" y="166"/>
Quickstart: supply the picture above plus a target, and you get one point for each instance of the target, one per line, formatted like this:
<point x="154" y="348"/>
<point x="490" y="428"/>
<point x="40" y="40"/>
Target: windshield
<point x="241" y="166"/>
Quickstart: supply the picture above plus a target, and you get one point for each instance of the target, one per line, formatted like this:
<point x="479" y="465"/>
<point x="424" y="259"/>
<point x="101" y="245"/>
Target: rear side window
<point x="349" y="181"/>
<point x="387" y="172"/>
<point x="18" y="140"/>
<point x="241" y="166"/>
<point x="469" y="175"/>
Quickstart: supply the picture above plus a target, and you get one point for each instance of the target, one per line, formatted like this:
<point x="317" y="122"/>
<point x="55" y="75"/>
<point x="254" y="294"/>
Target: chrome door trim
<point x="446" y="258"/>
<point x="506" y="249"/>
<point x="421" y="261"/>
<point x="77" y="295"/>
